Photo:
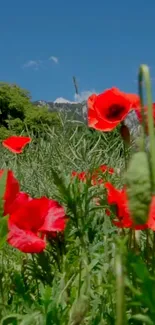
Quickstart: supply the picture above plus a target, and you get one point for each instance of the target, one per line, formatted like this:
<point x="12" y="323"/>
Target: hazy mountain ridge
<point x="78" y="110"/>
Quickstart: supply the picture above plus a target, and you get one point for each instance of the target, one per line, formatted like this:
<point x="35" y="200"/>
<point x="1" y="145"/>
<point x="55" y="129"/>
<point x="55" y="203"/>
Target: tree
<point x="39" y="119"/>
<point x="14" y="101"/>
<point x="18" y="114"/>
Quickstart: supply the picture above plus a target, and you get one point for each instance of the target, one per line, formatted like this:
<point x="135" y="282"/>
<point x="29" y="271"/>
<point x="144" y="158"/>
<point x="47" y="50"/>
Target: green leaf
<point x="11" y="319"/>
<point x="46" y="293"/>
<point x="3" y="180"/>
<point x="143" y="318"/>
<point x="3" y="183"/>
<point x="32" y="319"/>
<point x="3" y="230"/>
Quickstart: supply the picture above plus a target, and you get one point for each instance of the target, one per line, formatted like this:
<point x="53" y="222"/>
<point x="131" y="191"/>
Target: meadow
<point x="100" y="269"/>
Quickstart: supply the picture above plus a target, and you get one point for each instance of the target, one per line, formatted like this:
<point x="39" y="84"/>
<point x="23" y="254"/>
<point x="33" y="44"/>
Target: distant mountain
<point x="61" y="100"/>
<point x="73" y="109"/>
<point x="78" y="111"/>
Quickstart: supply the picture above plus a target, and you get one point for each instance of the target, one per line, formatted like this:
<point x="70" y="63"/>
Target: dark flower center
<point x="114" y="111"/>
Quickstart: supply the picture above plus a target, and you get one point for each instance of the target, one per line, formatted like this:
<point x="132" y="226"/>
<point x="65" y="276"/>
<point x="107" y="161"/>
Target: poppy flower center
<point x="114" y="111"/>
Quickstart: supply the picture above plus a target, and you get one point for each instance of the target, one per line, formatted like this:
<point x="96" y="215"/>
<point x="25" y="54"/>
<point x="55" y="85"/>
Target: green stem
<point x="36" y="280"/>
<point x="144" y="74"/>
<point x="130" y="239"/>
<point x="125" y="155"/>
<point x="80" y="271"/>
<point x="120" y="286"/>
<point x="153" y="258"/>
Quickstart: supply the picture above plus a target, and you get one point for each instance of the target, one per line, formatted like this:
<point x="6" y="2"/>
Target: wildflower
<point x="16" y="144"/>
<point x="105" y="168"/>
<point x="119" y="199"/>
<point x="82" y="176"/>
<point x="20" y="200"/>
<point x="107" y="110"/>
<point x="95" y="176"/>
<point x="29" y="224"/>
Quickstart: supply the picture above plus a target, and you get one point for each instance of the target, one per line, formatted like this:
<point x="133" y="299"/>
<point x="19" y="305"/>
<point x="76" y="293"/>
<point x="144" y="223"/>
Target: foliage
<point x="38" y="120"/>
<point x="43" y="288"/>
<point x="18" y="114"/>
<point x="93" y="273"/>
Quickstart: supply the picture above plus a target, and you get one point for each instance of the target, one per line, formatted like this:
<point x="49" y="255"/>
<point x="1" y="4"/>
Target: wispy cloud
<point x="54" y="59"/>
<point x="34" y="64"/>
<point x="83" y="95"/>
<point x="37" y="64"/>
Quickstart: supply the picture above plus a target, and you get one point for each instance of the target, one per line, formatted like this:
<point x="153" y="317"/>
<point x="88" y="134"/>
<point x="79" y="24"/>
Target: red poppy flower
<point x="29" y="224"/>
<point x="107" y="110"/>
<point x="96" y="180"/>
<point x="11" y="190"/>
<point x="20" y="200"/>
<point x="26" y="241"/>
<point x="95" y="176"/>
<point x="82" y="176"/>
<point x="105" y="168"/>
<point x="119" y="199"/>
<point x="16" y="144"/>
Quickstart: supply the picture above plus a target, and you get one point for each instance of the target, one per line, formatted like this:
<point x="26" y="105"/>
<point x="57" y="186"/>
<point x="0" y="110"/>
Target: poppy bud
<point x="79" y="310"/>
<point x="138" y="187"/>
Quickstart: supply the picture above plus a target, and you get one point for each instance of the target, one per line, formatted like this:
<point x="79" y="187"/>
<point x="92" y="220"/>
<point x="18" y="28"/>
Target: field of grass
<point x="45" y="289"/>
<point x="80" y="277"/>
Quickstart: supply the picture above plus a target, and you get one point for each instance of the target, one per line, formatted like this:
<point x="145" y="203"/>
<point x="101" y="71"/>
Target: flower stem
<point x="144" y="74"/>
<point x="153" y="254"/>
<point x="120" y="302"/>
<point x="36" y="279"/>
<point x="125" y="134"/>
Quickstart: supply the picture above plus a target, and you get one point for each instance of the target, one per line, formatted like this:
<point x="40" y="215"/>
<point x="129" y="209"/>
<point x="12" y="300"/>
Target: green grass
<point x="73" y="282"/>
<point x="74" y="147"/>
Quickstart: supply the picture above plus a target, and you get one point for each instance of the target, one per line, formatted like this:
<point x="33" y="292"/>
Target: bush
<point x="39" y="119"/>
<point x="18" y="114"/>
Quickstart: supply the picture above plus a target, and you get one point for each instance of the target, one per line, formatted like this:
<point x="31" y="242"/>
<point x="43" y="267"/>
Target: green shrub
<point x="39" y="119"/>
<point x="19" y="115"/>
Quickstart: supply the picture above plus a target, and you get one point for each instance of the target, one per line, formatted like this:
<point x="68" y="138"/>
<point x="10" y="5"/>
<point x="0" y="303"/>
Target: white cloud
<point x="63" y="100"/>
<point x="32" y="64"/>
<point x="83" y="95"/>
<point x="54" y="59"/>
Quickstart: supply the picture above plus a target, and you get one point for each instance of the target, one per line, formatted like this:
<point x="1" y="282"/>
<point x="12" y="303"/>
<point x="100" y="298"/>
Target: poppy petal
<point x="20" y="200"/>
<point x="55" y="219"/>
<point x="25" y="241"/>
<point x="16" y="144"/>
<point x="102" y="124"/>
<point x="119" y="199"/>
<point x="134" y="99"/>
<point x="31" y="215"/>
<point x="11" y="190"/>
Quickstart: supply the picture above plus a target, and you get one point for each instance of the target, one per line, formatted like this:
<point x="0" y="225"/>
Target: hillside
<point x="75" y="110"/>
<point x="78" y="111"/>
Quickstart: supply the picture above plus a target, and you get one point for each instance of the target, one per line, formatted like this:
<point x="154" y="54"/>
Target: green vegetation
<point x="44" y="289"/>
<point x="18" y="114"/>
<point x="93" y="273"/>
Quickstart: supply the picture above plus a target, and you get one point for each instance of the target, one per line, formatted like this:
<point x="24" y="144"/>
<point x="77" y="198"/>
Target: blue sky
<point x="101" y="42"/>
